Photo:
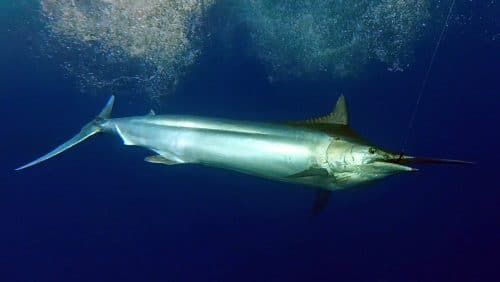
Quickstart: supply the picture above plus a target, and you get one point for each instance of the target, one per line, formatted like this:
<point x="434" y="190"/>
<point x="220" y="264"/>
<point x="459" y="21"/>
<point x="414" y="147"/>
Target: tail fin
<point x="88" y="130"/>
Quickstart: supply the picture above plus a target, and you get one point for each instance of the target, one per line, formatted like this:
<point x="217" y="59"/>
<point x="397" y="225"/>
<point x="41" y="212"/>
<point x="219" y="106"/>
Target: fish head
<point x="354" y="163"/>
<point x="357" y="162"/>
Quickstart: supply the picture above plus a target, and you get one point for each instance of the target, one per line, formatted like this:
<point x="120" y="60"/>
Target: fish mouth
<point x="400" y="162"/>
<point x="393" y="166"/>
<point x="414" y="160"/>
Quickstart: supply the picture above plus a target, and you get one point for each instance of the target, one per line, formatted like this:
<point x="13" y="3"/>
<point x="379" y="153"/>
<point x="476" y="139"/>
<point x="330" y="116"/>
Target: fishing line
<point x="426" y="78"/>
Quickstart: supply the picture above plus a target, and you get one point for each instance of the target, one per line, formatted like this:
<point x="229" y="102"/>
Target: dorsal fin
<point x="337" y="116"/>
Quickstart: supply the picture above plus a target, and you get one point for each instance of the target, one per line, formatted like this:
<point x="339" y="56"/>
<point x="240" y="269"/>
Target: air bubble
<point x="125" y="44"/>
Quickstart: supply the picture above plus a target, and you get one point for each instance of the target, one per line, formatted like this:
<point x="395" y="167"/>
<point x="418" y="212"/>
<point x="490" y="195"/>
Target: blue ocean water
<point x="100" y="213"/>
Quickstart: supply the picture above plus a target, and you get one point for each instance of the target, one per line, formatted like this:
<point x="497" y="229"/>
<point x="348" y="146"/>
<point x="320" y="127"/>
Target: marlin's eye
<point x="371" y="150"/>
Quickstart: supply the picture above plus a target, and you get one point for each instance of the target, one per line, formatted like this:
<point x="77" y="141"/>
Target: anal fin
<point x="320" y="201"/>
<point x="159" y="159"/>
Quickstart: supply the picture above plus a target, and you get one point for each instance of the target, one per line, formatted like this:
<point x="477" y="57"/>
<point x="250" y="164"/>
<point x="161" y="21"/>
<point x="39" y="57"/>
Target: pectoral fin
<point x="158" y="159"/>
<point x="310" y="172"/>
<point x="342" y="179"/>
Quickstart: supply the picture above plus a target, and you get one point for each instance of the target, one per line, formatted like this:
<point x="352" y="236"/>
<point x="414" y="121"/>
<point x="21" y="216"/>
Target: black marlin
<point x="323" y="152"/>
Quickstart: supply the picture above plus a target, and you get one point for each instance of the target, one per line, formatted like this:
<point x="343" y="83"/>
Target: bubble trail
<point x="149" y="43"/>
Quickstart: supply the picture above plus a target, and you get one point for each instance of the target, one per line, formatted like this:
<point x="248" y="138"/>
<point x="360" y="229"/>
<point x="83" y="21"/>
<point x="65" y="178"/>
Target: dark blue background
<point x="99" y="213"/>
